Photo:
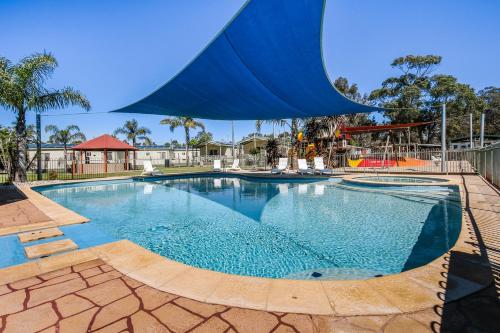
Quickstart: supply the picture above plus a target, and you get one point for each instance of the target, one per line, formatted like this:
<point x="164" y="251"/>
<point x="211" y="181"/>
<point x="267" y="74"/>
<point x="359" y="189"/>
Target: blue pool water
<point x="273" y="228"/>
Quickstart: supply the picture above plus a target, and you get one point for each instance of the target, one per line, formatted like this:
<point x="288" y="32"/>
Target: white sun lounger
<point x="282" y="165"/>
<point x="149" y="170"/>
<point x="436" y="160"/>
<point x="319" y="167"/>
<point x="217" y="166"/>
<point x="235" y="166"/>
<point x="303" y="168"/>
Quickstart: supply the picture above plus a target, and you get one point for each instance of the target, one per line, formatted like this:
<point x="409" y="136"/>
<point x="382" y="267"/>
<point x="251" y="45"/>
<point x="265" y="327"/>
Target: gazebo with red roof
<point x="105" y="143"/>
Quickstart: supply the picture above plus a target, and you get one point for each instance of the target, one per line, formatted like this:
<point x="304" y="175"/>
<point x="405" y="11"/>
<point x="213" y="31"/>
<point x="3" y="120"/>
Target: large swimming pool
<point x="299" y="229"/>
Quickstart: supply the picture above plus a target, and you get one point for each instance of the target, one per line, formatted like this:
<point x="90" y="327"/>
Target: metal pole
<point x="471" y="132"/>
<point x="481" y="138"/>
<point x="38" y="146"/>
<point x="232" y="135"/>
<point x="443" y="139"/>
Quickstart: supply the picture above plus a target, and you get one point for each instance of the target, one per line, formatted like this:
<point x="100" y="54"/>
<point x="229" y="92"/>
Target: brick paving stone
<point x="152" y="298"/>
<point x="250" y="321"/>
<point x="106" y="292"/>
<point x="25" y="283"/>
<point x="131" y="282"/>
<point x="106" y="268"/>
<point x="405" y="324"/>
<point x="284" y="329"/>
<point x="212" y="325"/>
<point x="56" y="273"/>
<point x="103" y="277"/>
<point x="56" y="280"/>
<point x="88" y="264"/>
<point x="78" y="323"/>
<point x="4" y="289"/>
<point x="203" y="309"/>
<point x="143" y="322"/>
<point x="90" y="272"/>
<point x="12" y="302"/>
<point x="302" y="323"/>
<point x="177" y="319"/>
<point x="114" y="311"/>
<point x="119" y="326"/>
<point x="72" y="304"/>
<point x="31" y="320"/>
<point x="42" y="295"/>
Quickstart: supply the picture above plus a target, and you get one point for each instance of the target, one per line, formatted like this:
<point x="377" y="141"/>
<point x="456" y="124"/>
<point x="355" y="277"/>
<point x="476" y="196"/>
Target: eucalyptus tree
<point x="69" y="135"/>
<point x="133" y="132"/>
<point x="23" y="89"/>
<point x="187" y="123"/>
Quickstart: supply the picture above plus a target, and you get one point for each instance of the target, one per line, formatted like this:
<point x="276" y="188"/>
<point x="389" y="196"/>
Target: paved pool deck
<point x="457" y="292"/>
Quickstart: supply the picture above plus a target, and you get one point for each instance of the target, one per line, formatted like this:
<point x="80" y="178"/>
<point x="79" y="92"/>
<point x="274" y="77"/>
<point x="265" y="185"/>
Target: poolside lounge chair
<point x="235" y="166"/>
<point x="149" y="170"/>
<point x="436" y="160"/>
<point x="217" y="167"/>
<point x="319" y="167"/>
<point x="303" y="168"/>
<point x="282" y="165"/>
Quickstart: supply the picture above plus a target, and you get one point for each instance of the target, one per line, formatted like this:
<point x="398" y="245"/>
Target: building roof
<point x="251" y="139"/>
<point x="102" y="142"/>
<point x="267" y="63"/>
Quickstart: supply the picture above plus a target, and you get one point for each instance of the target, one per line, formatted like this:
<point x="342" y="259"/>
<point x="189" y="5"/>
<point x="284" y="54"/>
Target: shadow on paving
<point x="10" y="194"/>
<point x="480" y="311"/>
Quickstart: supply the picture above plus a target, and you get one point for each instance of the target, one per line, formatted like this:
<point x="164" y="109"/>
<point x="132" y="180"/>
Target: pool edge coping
<point x="404" y="292"/>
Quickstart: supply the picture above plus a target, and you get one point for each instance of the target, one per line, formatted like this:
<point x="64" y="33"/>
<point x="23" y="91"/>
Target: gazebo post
<point x="73" y="166"/>
<point x="81" y="162"/>
<point x="126" y="160"/>
<point x="105" y="160"/>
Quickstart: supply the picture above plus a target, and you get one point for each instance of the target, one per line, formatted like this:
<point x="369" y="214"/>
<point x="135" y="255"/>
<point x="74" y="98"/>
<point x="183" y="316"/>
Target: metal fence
<point x="482" y="161"/>
<point x="67" y="169"/>
<point x="425" y="161"/>
<point x="486" y="162"/>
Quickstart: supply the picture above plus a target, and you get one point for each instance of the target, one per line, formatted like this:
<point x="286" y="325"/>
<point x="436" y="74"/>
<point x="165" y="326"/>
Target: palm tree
<point x="294" y="125"/>
<point x="133" y="131"/>
<point x="22" y="89"/>
<point x="65" y="136"/>
<point x="186" y="122"/>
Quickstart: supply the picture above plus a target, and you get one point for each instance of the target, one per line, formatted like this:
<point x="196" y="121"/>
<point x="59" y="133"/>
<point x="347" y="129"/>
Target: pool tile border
<point x="409" y="291"/>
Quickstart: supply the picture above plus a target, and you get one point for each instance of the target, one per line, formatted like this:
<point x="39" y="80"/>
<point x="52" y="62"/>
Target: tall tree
<point x="69" y="135"/>
<point x="187" y="123"/>
<point x="22" y="89"/>
<point x="491" y="96"/>
<point x="133" y="132"/>
<point x="416" y="96"/>
<point x="294" y="125"/>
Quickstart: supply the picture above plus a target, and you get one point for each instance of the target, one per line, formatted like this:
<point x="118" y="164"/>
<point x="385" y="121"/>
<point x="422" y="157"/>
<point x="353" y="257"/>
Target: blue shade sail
<point x="266" y="63"/>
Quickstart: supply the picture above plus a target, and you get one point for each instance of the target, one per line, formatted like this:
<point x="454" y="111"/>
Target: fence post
<point x="443" y="139"/>
<point x="38" y="146"/>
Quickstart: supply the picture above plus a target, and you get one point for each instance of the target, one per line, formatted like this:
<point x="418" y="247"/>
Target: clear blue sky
<point x="117" y="51"/>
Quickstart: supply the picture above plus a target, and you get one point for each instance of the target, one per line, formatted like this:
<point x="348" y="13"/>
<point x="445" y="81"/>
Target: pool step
<point x="47" y="249"/>
<point x="30" y="236"/>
